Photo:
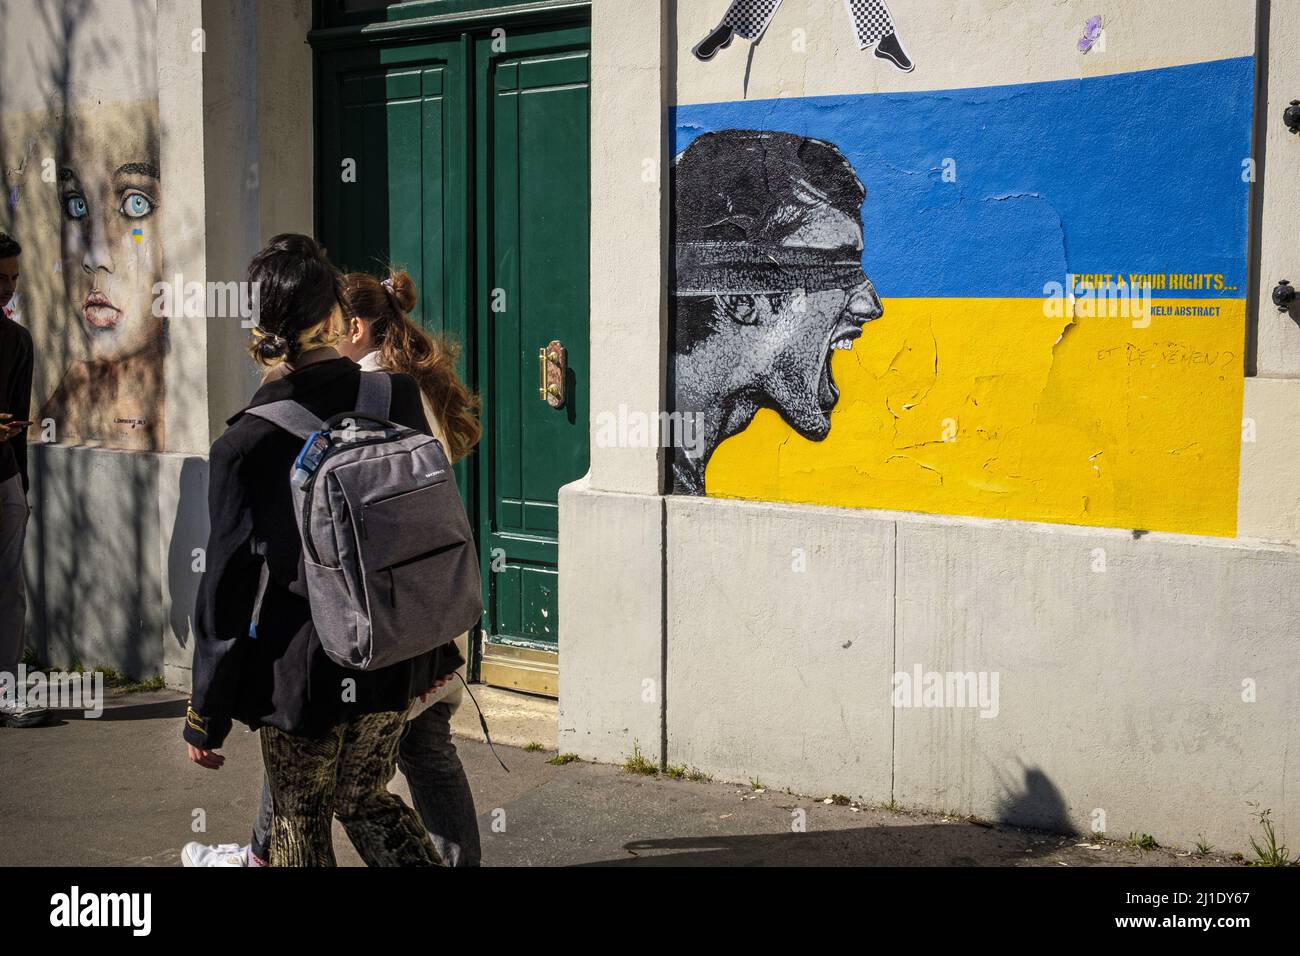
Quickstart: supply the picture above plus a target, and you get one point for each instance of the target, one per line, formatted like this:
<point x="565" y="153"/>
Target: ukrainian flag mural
<point x="1020" y="302"/>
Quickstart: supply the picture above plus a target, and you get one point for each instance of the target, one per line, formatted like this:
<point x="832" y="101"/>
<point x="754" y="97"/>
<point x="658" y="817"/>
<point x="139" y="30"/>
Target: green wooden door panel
<point x="534" y="254"/>
<point x="527" y="597"/>
<point x="400" y="116"/>
<point x="471" y="172"/>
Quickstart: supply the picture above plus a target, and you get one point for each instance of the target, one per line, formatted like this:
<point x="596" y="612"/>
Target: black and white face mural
<point x="749" y="20"/>
<point x="769" y="282"/>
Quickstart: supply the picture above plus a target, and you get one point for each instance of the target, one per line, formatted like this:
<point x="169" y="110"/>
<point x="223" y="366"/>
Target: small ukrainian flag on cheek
<point x="137" y="235"/>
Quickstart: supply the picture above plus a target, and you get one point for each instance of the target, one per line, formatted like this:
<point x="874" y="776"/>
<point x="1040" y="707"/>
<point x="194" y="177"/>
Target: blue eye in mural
<point x="74" y="207"/>
<point x="136" y="205"/>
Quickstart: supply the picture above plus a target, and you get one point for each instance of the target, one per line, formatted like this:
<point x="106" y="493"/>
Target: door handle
<point x="552" y="365"/>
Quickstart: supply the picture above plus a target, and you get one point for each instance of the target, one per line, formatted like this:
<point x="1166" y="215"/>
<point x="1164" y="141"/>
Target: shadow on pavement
<point x="145" y="710"/>
<point x="866" y="846"/>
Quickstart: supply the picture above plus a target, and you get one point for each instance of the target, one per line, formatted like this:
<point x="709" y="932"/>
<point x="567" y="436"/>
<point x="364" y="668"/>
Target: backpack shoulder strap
<point x="289" y="415"/>
<point x="374" y="397"/>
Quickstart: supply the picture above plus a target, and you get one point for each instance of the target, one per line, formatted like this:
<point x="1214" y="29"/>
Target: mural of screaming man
<point x="768" y="284"/>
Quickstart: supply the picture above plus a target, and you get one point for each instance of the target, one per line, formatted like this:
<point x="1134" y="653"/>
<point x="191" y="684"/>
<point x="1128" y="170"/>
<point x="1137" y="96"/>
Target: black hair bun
<point x="298" y="289"/>
<point x="271" y="347"/>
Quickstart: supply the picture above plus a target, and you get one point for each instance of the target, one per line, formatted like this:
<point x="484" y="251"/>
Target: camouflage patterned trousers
<point x="345" y="774"/>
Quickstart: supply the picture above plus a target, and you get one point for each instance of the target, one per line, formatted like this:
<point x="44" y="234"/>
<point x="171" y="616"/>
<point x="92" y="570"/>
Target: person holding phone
<point x="15" y="406"/>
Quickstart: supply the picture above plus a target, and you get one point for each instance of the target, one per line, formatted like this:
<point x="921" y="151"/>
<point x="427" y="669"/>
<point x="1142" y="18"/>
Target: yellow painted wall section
<point x="989" y="408"/>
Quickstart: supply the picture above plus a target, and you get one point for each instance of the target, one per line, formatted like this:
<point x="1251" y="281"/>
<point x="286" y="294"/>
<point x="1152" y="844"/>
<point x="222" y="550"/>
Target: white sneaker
<point x="15" y="714"/>
<point x="223" y="854"/>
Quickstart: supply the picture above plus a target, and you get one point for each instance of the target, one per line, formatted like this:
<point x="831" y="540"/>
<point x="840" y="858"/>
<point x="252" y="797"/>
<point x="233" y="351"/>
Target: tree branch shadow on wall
<point x="94" y="539"/>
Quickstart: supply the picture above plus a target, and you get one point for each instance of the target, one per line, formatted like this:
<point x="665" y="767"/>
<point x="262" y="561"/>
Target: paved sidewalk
<point x="119" y="790"/>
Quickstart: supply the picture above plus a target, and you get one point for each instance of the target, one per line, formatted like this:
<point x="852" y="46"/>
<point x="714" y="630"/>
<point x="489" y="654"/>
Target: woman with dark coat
<point x="329" y="733"/>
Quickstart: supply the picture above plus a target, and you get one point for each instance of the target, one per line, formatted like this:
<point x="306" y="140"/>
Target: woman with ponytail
<point x="381" y="336"/>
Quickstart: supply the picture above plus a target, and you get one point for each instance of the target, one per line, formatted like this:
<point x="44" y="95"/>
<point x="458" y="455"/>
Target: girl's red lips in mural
<point x="100" y="311"/>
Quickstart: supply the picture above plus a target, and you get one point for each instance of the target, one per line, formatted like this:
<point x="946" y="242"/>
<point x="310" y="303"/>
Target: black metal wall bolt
<point x="1283" y="295"/>
<point x="1291" y="116"/>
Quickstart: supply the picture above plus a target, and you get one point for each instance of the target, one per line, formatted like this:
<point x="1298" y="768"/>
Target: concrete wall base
<point x="611" y="655"/>
<point x="1145" y="684"/>
<point x="114" y="555"/>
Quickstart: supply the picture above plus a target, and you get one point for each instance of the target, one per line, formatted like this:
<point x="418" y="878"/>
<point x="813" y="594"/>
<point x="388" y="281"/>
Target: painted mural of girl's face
<point x="109" y="192"/>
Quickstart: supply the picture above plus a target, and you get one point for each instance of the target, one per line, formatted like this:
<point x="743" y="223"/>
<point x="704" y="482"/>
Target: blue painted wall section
<point x="1068" y="176"/>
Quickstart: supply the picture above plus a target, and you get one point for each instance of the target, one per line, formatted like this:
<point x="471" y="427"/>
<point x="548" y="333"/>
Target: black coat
<point x="282" y="677"/>
<point x="15" y="394"/>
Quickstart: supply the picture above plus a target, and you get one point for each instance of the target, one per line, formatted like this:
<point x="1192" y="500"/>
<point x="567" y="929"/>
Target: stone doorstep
<point x="514" y="719"/>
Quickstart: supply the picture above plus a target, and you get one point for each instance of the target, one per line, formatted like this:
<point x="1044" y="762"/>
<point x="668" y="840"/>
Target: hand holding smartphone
<point x="9" y="427"/>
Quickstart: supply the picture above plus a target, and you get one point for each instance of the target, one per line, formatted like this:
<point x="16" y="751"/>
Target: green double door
<point x="465" y="161"/>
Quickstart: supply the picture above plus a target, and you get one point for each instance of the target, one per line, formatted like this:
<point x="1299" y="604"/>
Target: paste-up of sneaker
<point x="719" y="39"/>
<point x="889" y="48"/>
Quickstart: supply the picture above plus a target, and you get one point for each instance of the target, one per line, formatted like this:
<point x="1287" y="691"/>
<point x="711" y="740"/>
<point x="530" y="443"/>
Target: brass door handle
<point x="552" y="365"/>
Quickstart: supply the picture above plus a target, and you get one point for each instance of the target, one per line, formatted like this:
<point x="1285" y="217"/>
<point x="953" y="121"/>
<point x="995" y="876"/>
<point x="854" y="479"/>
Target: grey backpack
<point x="391" y="568"/>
